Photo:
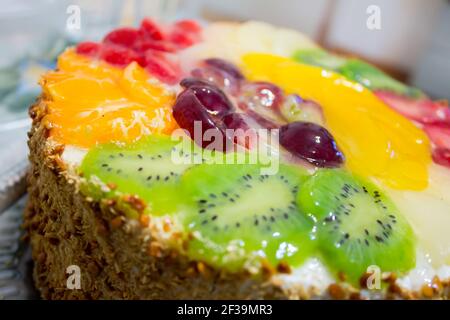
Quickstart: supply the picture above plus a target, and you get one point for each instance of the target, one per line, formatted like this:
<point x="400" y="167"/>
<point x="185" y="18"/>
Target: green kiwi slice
<point x="357" y="225"/>
<point x="375" y="79"/>
<point x="239" y="217"/>
<point x="147" y="168"/>
<point x="319" y="58"/>
<point x="355" y="70"/>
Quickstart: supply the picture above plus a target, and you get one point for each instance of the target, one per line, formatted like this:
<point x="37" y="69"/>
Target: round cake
<point x="234" y="161"/>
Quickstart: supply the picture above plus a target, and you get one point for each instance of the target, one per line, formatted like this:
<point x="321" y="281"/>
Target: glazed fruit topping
<point x="422" y="110"/>
<point x="312" y="143"/>
<point x="213" y="99"/>
<point x="294" y="108"/>
<point x="259" y="105"/>
<point x="262" y="100"/>
<point x="434" y="116"/>
<point x="190" y="112"/>
<point x="151" y="45"/>
<point x="225" y="66"/>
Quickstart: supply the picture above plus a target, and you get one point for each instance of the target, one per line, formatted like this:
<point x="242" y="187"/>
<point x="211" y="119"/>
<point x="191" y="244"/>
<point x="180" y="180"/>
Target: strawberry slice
<point x="442" y="157"/>
<point x="422" y="110"/>
<point x="119" y="56"/>
<point x="439" y="135"/>
<point x="150" y="30"/>
<point x="162" y="67"/>
<point x="187" y="25"/>
<point x="159" y="45"/>
<point x="126" y="37"/>
<point x="185" y="33"/>
<point x="183" y="39"/>
<point x="88" y="48"/>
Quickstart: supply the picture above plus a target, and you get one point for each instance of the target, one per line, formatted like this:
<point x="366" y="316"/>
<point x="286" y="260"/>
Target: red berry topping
<point x="439" y="135"/>
<point x="226" y="67"/>
<point x="422" y="110"/>
<point x="126" y="37"/>
<point x="150" y="30"/>
<point x="118" y="56"/>
<point x="88" y="48"/>
<point x="187" y="25"/>
<point x="442" y="157"/>
<point x="159" y="65"/>
<point x="159" y="45"/>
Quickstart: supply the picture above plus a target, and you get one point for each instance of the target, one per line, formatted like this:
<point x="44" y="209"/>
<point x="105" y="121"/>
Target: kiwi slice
<point x="375" y="79"/>
<point x="239" y="217"/>
<point x="319" y="58"/>
<point x="357" y="225"/>
<point x="145" y="168"/>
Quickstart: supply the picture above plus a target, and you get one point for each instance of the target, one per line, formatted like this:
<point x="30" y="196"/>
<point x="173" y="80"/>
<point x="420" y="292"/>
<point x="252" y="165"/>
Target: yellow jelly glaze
<point x="377" y="142"/>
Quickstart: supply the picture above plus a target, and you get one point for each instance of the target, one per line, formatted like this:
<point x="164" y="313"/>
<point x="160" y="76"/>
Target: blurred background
<point x="412" y="43"/>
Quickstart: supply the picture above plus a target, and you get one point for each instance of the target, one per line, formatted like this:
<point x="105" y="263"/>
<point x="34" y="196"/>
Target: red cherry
<point x="119" y="56"/>
<point x="161" y="67"/>
<point x="422" y="110"/>
<point x="88" y="48"/>
<point x="150" y="30"/>
<point x="126" y="37"/>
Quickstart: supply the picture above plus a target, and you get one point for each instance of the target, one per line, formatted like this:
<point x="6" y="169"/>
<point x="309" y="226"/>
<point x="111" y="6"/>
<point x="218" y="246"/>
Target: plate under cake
<point x="328" y="178"/>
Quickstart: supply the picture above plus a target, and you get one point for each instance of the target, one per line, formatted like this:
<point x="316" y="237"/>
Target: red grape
<point x="220" y="78"/>
<point x="189" y="82"/>
<point x="312" y="143"/>
<point x="189" y="113"/>
<point x="225" y="66"/>
<point x="213" y="99"/>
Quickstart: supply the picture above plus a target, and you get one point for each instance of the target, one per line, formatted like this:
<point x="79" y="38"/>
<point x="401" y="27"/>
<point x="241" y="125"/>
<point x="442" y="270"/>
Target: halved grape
<point x="312" y="143"/>
<point x="294" y="108"/>
<point x="218" y="77"/>
<point x="213" y="99"/>
<point x="191" y="81"/>
<point x="242" y="133"/>
<point x="191" y="115"/>
<point x="225" y="66"/>
<point x="262" y="99"/>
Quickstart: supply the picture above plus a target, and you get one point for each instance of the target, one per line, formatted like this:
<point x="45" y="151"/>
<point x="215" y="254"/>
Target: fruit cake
<point x="234" y="161"/>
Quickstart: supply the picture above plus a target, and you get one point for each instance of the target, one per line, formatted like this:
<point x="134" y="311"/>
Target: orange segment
<point x="91" y="103"/>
